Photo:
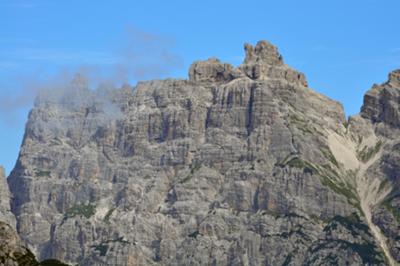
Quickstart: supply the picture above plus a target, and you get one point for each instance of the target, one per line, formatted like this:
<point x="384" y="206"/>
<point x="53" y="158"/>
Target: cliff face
<point x="12" y="252"/>
<point x="242" y="166"/>
<point x="381" y="109"/>
<point x="5" y="208"/>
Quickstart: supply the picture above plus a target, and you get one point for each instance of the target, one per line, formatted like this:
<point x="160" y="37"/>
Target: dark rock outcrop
<point x="14" y="253"/>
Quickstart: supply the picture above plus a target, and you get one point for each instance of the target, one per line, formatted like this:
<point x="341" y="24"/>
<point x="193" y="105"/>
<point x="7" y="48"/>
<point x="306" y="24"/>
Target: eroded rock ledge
<point x="261" y="62"/>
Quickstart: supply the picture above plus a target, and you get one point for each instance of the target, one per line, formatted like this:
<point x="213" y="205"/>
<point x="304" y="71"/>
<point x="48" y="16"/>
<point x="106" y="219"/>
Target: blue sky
<point x="343" y="47"/>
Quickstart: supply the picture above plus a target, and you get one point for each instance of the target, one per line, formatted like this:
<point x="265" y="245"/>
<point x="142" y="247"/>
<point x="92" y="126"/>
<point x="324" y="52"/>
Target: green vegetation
<point x="297" y="119"/>
<point x="332" y="172"/>
<point x="366" y="250"/>
<point x="351" y="223"/>
<point x="360" y="140"/>
<point x="383" y="185"/>
<point x="108" y="215"/>
<point x="317" y="219"/>
<point x="393" y="210"/>
<point x="339" y="188"/>
<point x="329" y="177"/>
<point x="42" y="173"/>
<point x="306" y="166"/>
<point x="344" y="189"/>
<point x="86" y="210"/>
<point x="346" y="124"/>
<point x="298" y="231"/>
<point x="103" y="246"/>
<point x="368" y="152"/>
<point x="186" y="179"/>
<point x="195" y="167"/>
<point x="56" y="141"/>
<point x="52" y="262"/>
<point x="284" y="162"/>
<point x="287" y="260"/>
<point x="301" y="124"/>
<point x="27" y="259"/>
<point x="329" y="155"/>
<point x="194" y="234"/>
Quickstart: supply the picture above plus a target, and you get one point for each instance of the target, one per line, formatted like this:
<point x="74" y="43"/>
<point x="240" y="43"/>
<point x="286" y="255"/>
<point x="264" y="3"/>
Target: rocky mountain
<point x="234" y="166"/>
<point x="14" y="253"/>
<point x="5" y="208"/>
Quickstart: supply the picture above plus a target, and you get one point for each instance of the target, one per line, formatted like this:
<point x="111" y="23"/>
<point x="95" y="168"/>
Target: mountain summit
<point x="234" y="166"/>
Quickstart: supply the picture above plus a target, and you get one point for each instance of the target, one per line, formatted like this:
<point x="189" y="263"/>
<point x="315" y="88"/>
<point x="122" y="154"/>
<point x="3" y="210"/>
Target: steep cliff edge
<point x="381" y="108"/>
<point x="242" y="166"/>
<point x="14" y="253"/>
<point x="5" y="208"/>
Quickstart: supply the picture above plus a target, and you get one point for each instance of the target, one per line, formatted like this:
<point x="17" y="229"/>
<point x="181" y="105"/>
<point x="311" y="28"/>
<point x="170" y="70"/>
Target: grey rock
<point x="381" y="102"/>
<point x="380" y="111"/>
<point x="5" y="208"/>
<point x="212" y="70"/>
<point x="264" y="61"/>
<point x="12" y="251"/>
<point x="234" y="166"/>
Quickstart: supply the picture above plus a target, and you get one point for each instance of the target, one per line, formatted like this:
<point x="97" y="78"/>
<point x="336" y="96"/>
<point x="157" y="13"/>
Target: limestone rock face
<point x="212" y="70"/>
<point x="5" y="208"/>
<point x="264" y="61"/>
<point x="381" y="103"/>
<point x="235" y="166"/>
<point x="12" y="252"/>
<point x="394" y="78"/>
<point x="382" y="109"/>
<point x="264" y="53"/>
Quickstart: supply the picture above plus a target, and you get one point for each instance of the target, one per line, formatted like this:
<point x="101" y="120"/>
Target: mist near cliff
<point x="139" y="56"/>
